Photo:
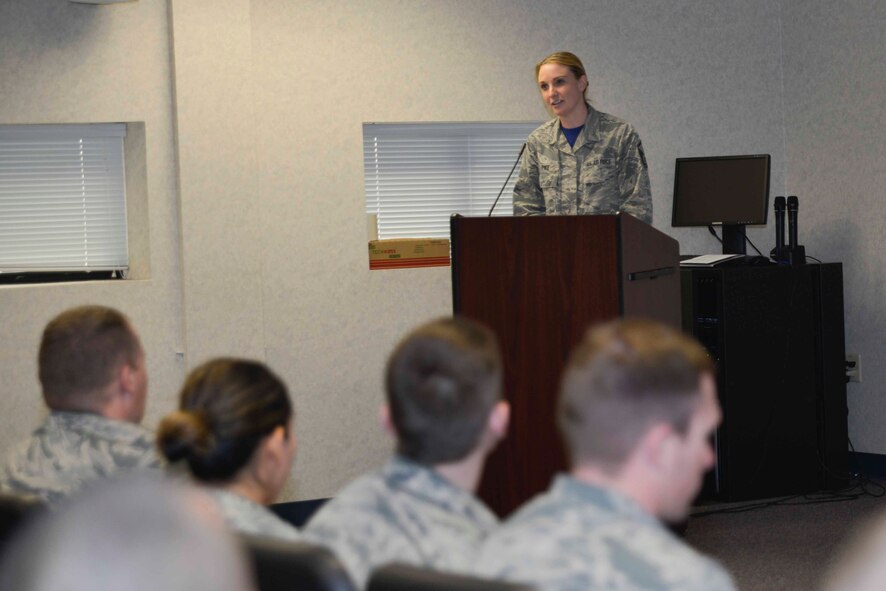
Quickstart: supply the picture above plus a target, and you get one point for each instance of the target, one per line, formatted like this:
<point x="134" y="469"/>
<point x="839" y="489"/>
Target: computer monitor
<point x="729" y="191"/>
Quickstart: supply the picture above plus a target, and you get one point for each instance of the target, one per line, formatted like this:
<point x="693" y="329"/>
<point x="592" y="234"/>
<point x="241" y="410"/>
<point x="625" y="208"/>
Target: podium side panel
<point x="644" y="250"/>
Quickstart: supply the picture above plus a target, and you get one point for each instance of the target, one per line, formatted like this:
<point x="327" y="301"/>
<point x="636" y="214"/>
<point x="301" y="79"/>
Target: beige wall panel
<point x="835" y="84"/>
<point x="71" y="63"/>
<point x="220" y="197"/>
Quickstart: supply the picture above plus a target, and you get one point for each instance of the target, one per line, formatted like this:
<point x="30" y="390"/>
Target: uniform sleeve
<point x="362" y="536"/>
<point x="528" y="198"/>
<point x="350" y="542"/>
<point x="634" y="179"/>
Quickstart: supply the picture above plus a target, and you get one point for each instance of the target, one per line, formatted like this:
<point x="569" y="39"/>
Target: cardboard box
<point x="403" y="253"/>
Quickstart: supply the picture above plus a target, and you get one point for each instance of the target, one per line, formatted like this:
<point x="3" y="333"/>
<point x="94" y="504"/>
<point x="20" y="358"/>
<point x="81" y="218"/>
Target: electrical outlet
<point x="853" y="367"/>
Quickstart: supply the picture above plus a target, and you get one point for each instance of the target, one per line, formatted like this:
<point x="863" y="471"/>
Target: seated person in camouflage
<point x="92" y="372"/>
<point x="637" y="408"/>
<point x="234" y="430"/>
<point x="444" y="407"/>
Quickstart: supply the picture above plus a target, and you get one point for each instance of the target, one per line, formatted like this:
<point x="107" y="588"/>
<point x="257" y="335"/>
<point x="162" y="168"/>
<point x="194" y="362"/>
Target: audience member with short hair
<point x="94" y="381"/>
<point x="637" y="408"/>
<point x="234" y="430"/>
<point x="134" y="533"/>
<point x="445" y="409"/>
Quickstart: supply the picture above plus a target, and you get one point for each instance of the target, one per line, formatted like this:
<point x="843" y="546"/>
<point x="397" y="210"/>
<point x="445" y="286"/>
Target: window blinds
<point x="62" y="198"/>
<point x="418" y="174"/>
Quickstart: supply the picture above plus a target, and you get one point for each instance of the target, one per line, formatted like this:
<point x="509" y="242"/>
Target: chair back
<point x="280" y="565"/>
<point x="403" y="577"/>
<point x="15" y="510"/>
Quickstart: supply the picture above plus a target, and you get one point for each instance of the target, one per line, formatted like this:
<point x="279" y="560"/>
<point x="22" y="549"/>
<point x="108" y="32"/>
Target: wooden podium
<point x="539" y="282"/>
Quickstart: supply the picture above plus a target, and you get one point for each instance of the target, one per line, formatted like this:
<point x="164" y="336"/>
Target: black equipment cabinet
<point x="776" y="334"/>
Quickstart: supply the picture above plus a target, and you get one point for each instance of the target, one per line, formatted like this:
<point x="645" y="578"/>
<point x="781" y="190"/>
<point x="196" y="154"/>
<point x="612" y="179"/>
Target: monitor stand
<point x="734" y="239"/>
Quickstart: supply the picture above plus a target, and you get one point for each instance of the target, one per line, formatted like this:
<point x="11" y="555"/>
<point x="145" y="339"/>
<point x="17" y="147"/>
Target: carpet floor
<point x="785" y="547"/>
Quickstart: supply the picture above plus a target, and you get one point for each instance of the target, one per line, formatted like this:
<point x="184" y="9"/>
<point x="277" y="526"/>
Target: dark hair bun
<point x="184" y="435"/>
<point x="227" y="407"/>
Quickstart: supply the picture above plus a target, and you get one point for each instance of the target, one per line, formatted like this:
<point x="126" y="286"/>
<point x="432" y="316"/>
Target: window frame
<point x="416" y="175"/>
<point x="63" y="202"/>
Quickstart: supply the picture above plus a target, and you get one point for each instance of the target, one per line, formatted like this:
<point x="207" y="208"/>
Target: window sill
<point x="13" y="278"/>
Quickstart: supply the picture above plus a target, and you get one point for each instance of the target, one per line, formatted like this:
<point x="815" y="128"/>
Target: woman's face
<point x="563" y="93"/>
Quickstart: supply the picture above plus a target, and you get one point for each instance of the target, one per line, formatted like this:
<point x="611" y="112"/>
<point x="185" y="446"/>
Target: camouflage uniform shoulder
<point x="403" y="512"/>
<point x="131" y="445"/>
<point x="245" y="516"/>
<point x="403" y="482"/>
<point x="71" y="449"/>
<point x="546" y="133"/>
<point x="576" y="537"/>
<point x="609" y="125"/>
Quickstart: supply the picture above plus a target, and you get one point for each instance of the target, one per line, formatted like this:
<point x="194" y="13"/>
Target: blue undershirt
<point x="572" y="134"/>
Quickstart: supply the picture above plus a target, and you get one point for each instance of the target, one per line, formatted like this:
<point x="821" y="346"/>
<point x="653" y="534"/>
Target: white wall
<point x="218" y="181"/>
<point x="290" y="84"/>
<point x="835" y="111"/>
<point x="72" y="63"/>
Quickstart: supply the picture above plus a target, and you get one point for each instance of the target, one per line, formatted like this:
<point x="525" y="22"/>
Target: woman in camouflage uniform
<point x="583" y="161"/>
<point x="234" y="429"/>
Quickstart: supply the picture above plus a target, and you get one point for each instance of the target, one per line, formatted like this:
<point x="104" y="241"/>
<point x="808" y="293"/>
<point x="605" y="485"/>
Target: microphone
<point x="778" y="252"/>
<point x="793" y="206"/>
<point x="513" y="168"/>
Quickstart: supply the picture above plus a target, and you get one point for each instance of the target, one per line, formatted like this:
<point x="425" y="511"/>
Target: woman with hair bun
<point x="234" y="430"/>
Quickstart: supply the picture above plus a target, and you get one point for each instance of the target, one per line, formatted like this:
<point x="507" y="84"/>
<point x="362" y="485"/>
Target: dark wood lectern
<point x="539" y="282"/>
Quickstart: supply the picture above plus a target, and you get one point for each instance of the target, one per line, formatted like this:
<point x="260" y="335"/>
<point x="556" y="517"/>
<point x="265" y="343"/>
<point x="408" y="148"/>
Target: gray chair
<point x="402" y="577"/>
<point x="15" y="511"/>
<point x="279" y="565"/>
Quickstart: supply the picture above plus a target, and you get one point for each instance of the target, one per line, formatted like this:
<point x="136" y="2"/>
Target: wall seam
<point x="784" y="127"/>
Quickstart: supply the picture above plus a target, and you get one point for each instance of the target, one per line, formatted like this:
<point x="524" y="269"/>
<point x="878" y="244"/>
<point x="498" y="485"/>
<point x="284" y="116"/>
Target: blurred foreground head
<point x="135" y="534"/>
<point x="861" y="566"/>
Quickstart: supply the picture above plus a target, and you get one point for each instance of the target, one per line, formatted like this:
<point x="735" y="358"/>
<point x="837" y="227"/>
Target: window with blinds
<point x="62" y="198"/>
<point x="418" y="174"/>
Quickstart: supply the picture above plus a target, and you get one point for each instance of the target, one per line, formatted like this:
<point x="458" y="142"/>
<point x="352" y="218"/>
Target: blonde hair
<point x="571" y="61"/>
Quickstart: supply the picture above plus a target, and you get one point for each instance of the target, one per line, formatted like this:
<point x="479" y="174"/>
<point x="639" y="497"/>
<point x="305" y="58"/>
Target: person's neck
<point x="465" y="473"/>
<point x="247" y="489"/>
<point x="619" y="481"/>
<point x="115" y="406"/>
<point x="576" y="119"/>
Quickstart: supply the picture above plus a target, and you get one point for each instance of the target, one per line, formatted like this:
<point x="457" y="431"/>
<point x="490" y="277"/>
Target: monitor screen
<point x="721" y="190"/>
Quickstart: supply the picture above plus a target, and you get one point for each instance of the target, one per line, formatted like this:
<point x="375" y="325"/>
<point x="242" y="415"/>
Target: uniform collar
<point x="589" y="134"/>
<point x="96" y="424"/>
<point x="577" y="491"/>
<point x="423" y="482"/>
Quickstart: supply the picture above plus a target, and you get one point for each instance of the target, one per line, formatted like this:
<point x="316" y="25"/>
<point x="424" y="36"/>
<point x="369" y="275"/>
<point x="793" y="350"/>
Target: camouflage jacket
<point x="577" y="537"/>
<point x="404" y="512"/>
<point x="245" y="516"/>
<point x="603" y="173"/>
<point x="71" y="449"/>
